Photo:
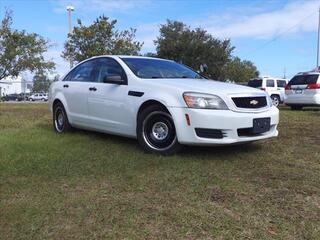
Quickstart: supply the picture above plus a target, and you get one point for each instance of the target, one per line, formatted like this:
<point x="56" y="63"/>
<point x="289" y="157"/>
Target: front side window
<point x="270" y="83"/>
<point x="82" y="73"/>
<point x="107" y="67"/>
<point x="159" y="68"/>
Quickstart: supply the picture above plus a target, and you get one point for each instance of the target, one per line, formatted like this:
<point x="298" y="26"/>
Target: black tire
<point x="156" y="131"/>
<point x="60" y="119"/>
<point x="296" y="107"/>
<point x="275" y="100"/>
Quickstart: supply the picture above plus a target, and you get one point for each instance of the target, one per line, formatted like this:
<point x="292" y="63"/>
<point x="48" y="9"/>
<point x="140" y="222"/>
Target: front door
<point x="108" y="102"/>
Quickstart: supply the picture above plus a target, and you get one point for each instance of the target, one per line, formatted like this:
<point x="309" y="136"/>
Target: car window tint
<point x="83" y="72"/>
<point x="270" y="83"/>
<point x="107" y="67"/>
<point x="304" y="79"/>
<point x="256" y="83"/>
<point x="281" y="83"/>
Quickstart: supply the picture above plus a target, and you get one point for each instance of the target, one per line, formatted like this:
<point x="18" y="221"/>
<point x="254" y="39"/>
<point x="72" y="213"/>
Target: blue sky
<point x="273" y="34"/>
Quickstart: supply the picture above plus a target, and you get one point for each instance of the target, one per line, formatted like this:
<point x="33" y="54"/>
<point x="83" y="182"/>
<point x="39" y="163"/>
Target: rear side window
<point x="281" y="83"/>
<point x="304" y="79"/>
<point x="270" y="83"/>
<point x="256" y="83"/>
<point x="82" y="73"/>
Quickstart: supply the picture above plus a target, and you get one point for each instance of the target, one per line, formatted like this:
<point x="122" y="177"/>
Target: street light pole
<point x="70" y="9"/>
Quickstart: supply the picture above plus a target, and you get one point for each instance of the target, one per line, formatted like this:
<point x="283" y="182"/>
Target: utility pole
<point x="318" y="40"/>
<point x="284" y="72"/>
<point x="70" y="9"/>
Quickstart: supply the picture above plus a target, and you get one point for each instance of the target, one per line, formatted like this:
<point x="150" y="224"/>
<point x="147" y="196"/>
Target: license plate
<point x="261" y="125"/>
<point x="298" y="91"/>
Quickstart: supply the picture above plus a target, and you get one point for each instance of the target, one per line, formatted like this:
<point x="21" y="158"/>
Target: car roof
<point x="128" y="56"/>
<point x="310" y="72"/>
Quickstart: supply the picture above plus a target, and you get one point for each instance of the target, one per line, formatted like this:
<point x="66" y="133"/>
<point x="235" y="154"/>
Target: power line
<point x="280" y="34"/>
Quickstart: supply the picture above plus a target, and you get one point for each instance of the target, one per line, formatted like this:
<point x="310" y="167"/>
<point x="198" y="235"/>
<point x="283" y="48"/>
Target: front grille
<point x="209" y="133"/>
<point x="250" y="102"/>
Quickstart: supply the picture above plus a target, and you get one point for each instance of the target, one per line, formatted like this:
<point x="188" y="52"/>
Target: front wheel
<point x="275" y="100"/>
<point x="156" y="132"/>
<point x="60" y="120"/>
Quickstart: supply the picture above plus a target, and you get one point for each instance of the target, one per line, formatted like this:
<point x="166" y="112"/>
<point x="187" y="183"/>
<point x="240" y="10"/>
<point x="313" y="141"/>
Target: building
<point x="10" y="85"/>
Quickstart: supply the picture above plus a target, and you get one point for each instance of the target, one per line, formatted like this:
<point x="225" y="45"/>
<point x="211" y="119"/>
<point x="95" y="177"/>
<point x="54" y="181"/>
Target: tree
<point x="239" y="71"/>
<point x="193" y="47"/>
<point x="100" y="38"/>
<point x="41" y="82"/>
<point x="20" y="51"/>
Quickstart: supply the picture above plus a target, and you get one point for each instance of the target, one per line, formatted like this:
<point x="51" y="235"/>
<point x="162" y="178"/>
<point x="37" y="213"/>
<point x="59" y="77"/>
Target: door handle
<point x="66" y="86"/>
<point x="92" y="89"/>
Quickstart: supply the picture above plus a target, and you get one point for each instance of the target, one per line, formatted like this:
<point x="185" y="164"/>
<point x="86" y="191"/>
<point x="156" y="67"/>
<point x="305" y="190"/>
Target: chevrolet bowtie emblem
<point x="254" y="102"/>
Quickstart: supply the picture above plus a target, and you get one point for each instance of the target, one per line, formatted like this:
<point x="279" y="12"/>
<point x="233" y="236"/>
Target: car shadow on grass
<point x="221" y="150"/>
<point x="187" y="151"/>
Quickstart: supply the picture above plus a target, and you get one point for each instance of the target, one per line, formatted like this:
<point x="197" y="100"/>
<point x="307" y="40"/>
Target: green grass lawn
<point x="85" y="185"/>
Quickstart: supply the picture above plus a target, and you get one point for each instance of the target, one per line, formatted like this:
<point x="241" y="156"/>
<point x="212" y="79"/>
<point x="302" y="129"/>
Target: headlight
<point x="204" y="101"/>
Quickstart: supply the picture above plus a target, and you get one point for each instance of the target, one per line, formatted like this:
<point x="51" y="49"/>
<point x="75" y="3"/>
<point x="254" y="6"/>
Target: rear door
<point x="75" y="88"/>
<point x="271" y="87"/>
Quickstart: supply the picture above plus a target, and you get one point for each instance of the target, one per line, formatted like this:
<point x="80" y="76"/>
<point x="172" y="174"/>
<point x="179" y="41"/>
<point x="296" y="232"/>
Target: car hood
<point x="205" y="86"/>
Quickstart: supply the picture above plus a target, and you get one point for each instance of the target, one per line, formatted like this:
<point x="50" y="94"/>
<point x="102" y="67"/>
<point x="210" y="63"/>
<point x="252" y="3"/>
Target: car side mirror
<point x="203" y="68"/>
<point x="115" y="79"/>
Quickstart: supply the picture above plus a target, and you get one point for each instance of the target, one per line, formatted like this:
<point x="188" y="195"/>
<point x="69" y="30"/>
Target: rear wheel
<point x="156" y="132"/>
<point x="60" y="120"/>
<point x="275" y="100"/>
<point x="296" y="107"/>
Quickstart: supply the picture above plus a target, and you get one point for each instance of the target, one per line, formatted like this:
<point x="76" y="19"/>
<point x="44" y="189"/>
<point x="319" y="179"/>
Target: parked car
<point x="275" y="87"/>
<point x="303" y="90"/>
<point x="161" y="103"/>
<point x="38" y="97"/>
<point x="13" y="97"/>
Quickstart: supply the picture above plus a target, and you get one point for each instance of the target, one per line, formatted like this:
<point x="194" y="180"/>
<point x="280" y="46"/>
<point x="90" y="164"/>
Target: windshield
<point x="255" y="83"/>
<point x="158" y="68"/>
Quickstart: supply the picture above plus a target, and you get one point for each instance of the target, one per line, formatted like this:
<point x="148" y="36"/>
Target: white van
<point x="275" y="87"/>
<point x="303" y="90"/>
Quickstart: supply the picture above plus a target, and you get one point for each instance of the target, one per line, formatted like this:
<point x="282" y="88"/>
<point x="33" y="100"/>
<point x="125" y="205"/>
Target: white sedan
<point x="161" y="103"/>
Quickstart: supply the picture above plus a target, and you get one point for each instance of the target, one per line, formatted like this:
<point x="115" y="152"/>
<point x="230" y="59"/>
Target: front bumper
<point x="225" y="120"/>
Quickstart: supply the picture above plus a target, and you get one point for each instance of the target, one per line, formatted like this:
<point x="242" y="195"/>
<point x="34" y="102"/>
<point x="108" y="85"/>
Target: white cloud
<point x="258" y="22"/>
<point x="292" y="18"/>
<point x="147" y="33"/>
<point x="54" y="54"/>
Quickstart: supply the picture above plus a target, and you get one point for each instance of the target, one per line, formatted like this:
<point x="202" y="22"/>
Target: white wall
<point x="12" y="85"/>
